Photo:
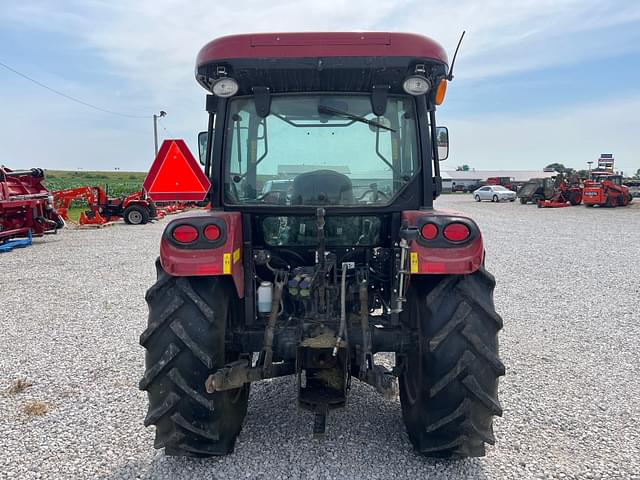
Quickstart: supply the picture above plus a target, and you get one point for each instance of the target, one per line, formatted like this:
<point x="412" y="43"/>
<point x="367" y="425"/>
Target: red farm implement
<point x="564" y="195"/>
<point x="135" y="209"/>
<point x="550" y="192"/>
<point x="26" y="206"/>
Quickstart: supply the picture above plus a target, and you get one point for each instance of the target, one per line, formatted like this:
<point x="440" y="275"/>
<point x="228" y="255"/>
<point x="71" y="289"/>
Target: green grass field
<point x="115" y="183"/>
<point x="74" y="213"/>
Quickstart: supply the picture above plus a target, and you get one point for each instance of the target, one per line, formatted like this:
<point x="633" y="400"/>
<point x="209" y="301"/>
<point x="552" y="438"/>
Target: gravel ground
<point x="72" y="308"/>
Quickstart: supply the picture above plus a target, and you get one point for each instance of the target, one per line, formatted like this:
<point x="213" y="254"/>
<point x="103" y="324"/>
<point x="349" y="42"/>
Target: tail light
<point x="185" y="234"/>
<point x="429" y="231"/>
<point x="456" y="232"/>
<point x="212" y="232"/>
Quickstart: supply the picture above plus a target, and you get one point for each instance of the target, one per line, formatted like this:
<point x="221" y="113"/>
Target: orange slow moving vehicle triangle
<point x="176" y="175"/>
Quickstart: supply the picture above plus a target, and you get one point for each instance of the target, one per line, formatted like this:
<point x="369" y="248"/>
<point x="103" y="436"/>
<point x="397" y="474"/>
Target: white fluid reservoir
<point x="265" y="295"/>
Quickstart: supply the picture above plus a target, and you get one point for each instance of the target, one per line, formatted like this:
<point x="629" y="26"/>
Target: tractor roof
<point x="321" y="44"/>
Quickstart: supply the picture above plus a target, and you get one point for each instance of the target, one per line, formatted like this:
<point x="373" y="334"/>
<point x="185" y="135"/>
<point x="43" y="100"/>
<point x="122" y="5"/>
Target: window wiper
<point x="352" y="116"/>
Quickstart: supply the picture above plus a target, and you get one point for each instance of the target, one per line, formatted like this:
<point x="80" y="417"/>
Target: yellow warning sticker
<point x="236" y="255"/>
<point x="414" y="262"/>
<point x="226" y="263"/>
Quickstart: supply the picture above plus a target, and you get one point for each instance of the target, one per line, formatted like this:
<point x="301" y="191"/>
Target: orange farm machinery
<point x="26" y="206"/>
<point x="135" y="209"/>
<point x="606" y="191"/>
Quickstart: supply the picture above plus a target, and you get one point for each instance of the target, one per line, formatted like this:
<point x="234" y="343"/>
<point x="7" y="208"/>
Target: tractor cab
<point x="279" y="117"/>
<point x="614" y="179"/>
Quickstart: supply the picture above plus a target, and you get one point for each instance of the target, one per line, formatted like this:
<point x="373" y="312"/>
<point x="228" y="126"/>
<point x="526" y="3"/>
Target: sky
<point x="536" y="81"/>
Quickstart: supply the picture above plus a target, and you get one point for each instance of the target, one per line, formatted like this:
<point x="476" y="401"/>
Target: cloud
<point x="155" y="41"/>
<point x="148" y="48"/>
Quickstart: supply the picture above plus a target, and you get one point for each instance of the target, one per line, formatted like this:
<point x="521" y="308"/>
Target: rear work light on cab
<point x="185" y="234"/>
<point x="456" y="232"/>
<point x="225" y="87"/>
<point x="416" y="85"/>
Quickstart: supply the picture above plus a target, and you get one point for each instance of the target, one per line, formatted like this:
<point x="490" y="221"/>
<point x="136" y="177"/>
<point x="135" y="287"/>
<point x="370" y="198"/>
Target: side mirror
<point x="202" y="146"/>
<point x="442" y="136"/>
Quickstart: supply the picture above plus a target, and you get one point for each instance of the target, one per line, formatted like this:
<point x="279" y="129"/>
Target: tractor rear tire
<point x="449" y="384"/>
<point x="136" y="215"/>
<point x="185" y="343"/>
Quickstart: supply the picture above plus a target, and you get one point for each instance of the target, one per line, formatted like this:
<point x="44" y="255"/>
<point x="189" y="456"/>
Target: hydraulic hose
<point x="271" y="324"/>
<point x="343" y="309"/>
<point x="364" y="326"/>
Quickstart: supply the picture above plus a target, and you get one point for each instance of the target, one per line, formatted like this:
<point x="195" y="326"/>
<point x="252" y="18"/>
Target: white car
<point x="495" y="193"/>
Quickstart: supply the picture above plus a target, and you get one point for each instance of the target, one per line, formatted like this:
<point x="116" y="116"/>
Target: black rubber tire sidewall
<point x="187" y="330"/>
<point x="431" y="307"/>
<point x="143" y="212"/>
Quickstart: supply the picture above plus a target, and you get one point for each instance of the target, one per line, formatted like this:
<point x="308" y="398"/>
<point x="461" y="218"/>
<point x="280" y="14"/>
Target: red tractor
<point x="135" y="209"/>
<point x="556" y="191"/>
<point x="606" y="191"/>
<point x="565" y="194"/>
<point x="350" y="260"/>
<point x="26" y="205"/>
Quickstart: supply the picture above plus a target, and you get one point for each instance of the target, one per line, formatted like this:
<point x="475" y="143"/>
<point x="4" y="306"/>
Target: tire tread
<point x="183" y="339"/>
<point x="458" y="393"/>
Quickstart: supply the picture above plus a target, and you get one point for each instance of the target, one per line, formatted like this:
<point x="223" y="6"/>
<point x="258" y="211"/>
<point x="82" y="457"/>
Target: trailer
<point x="26" y="206"/>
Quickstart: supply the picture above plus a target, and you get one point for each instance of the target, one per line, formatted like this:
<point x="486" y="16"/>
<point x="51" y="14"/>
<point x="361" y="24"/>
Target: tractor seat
<point x="322" y="187"/>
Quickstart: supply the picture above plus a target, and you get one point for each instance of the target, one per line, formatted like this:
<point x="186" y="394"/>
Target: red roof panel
<point x="321" y="44"/>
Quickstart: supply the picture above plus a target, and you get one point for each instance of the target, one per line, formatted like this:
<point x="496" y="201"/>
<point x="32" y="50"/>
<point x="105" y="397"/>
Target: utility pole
<point x="155" y="128"/>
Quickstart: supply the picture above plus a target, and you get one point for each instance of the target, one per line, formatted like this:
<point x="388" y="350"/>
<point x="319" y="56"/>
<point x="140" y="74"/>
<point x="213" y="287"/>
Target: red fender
<point x="204" y="258"/>
<point x="440" y="256"/>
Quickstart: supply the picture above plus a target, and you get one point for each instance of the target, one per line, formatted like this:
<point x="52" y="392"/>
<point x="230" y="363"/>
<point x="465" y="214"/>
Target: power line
<point x="69" y="97"/>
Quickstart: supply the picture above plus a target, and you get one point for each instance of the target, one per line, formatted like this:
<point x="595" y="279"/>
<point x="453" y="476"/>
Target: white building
<point x="452" y="178"/>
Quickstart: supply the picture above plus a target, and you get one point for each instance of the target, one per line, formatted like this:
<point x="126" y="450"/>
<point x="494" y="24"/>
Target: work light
<point x="225" y="87"/>
<point x="416" y="85"/>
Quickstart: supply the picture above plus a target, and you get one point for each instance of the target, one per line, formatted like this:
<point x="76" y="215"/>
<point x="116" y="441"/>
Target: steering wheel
<point x="367" y="192"/>
<point x="273" y="198"/>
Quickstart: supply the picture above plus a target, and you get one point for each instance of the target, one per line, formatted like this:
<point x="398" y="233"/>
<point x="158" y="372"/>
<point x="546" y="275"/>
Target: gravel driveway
<point x="72" y="308"/>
